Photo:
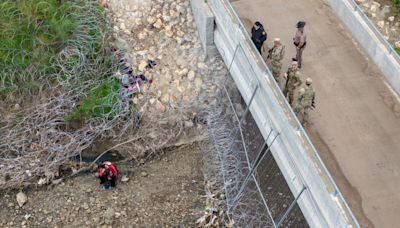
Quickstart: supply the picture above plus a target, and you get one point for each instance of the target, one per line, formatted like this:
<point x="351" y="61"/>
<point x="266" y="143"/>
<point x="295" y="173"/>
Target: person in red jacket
<point x="108" y="174"/>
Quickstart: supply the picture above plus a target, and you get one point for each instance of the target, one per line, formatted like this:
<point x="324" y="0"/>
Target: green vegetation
<point x="57" y="43"/>
<point x="397" y="50"/>
<point x="397" y="3"/>
<point x="99" y="102"/>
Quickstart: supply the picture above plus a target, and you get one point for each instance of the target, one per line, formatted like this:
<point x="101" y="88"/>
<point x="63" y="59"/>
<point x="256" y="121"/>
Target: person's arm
<point x="263" y="37"/>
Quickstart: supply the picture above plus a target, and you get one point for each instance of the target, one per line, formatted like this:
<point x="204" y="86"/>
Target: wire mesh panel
<point x="255" y="191"/>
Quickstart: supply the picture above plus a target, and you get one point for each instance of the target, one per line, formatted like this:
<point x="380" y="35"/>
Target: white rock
<point x="189" y="124"/>
<point x="181" y="89"/>
<point x="173" y="14"/>
<point x="122" y="26"/>
<point x="391" y="18"/>
<point x="165" y="98"/>
<point x="138" y="21"/>
<point x="191" y="75"/>
<point x="151" y="20"/>
<point x="169" y="33"/>
<point x="397" y="44"/>
<point x="158" y="24"/>
<point x="198" y="82"/>
<point x="381" y="24"/>
<point x="21" y="199"/>
<point x="373" y="9"/>
<point x="124" y="178"/>
<point x="180" y="33"/>
<point x="160" y="107"/>
<point x="142" y="35"/>
<point x="142" y="66"/>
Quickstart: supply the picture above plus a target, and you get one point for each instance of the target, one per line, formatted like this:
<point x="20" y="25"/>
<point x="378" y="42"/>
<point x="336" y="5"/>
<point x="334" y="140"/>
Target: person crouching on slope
<point x="108" y="175"/>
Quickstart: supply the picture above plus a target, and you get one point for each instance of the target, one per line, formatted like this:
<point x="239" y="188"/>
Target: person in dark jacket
<point x="258" y="35"/>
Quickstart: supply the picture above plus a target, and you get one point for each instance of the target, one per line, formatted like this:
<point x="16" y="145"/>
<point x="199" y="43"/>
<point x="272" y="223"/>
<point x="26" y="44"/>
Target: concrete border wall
<point x="322" y="204"/>
<point x="370" y="38"/>
<point x="205" y="24"/>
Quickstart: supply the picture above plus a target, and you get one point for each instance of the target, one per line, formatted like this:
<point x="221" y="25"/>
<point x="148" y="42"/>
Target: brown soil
<point x="165" y="192"/>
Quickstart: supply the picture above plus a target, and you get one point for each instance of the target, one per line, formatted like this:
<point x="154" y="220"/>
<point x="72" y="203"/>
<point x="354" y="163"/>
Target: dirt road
<point x="162" y="193"/>
<point x="356" y="126"/>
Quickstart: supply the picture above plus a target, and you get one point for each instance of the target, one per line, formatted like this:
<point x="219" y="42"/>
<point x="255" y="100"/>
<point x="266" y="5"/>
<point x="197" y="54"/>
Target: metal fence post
<point x="248" y="106"/>
<point x="257" y="162"/>
<point x="290" y="208"/>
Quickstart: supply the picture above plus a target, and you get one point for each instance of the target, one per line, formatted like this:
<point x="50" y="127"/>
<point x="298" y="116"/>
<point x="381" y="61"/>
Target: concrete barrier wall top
<point x="370" y="38"/>
<point x="322" y="204"/>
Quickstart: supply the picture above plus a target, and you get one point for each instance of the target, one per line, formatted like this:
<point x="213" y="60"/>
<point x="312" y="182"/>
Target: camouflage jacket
<point x="307" y="96"/>
<point x="293" y="79"/>
<point x="277" y="54"/>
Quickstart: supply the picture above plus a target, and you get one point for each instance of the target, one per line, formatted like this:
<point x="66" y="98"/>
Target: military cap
<point x="277" y="40"/>
<point x="309" y="81"/>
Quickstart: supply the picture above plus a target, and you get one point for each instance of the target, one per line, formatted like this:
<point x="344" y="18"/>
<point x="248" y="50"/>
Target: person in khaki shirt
<point x="276" y="55"/>
<point x="300" y="41"/>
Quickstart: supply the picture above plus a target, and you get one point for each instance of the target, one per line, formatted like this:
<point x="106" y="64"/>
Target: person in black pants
<point x="258" y="35"/>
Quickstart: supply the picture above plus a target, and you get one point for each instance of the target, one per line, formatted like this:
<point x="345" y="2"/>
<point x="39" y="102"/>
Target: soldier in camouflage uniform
<point x="276" y="56"/>
<point x="305" y="101"/>
<point x="293" y="81"/>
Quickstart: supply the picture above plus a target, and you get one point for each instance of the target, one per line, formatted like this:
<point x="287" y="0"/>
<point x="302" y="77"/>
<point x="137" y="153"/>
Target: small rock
<point x="373" y="8"/>
<point x="158" y="24"/>
<point x="85" y="206"/>
<point x="108" y="215"/>
<point x="381" y="24"/>
<point x="391" y="18"/>
<point x="117" y="214"/>
<point x="142" y="66"/>
<point x="122" y="26"/>
<point x="21" y="199"/>
<point x="151" y="20"/>
<point x="124" y="178"/>
<point x="189" y="124"/>
<point x="144" y="174"/>
<point x="57" y="181"/>
<point x="397" y="44"/>
<point x="198" y="82"/>
<point x="17" y="107"/>
<point x="142" y="35"/>
<point x="191" y="75"/>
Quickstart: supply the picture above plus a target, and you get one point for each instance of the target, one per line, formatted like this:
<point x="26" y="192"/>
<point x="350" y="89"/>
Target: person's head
<point x="257" y="25"/>
<point x="294" y="65"/>
<point x="277" y="42"/>
<point x="300" y="25"/>
<point x="308" y="81"/>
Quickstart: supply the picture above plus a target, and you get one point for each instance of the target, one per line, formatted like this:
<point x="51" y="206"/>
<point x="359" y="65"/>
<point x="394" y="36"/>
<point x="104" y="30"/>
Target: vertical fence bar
<point x="253" y="169"/>
<point x="248" y="106"/>
<point x="290" y="208"/>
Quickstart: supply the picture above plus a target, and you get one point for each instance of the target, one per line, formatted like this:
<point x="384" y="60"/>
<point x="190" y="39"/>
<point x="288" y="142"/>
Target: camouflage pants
<point x="276" y="70"/>
<point x="289" y="94"/>
<point x="304" y="110"/>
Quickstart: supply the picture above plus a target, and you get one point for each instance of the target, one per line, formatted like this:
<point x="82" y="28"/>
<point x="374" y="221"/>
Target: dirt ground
<point x="166" y="192"/>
